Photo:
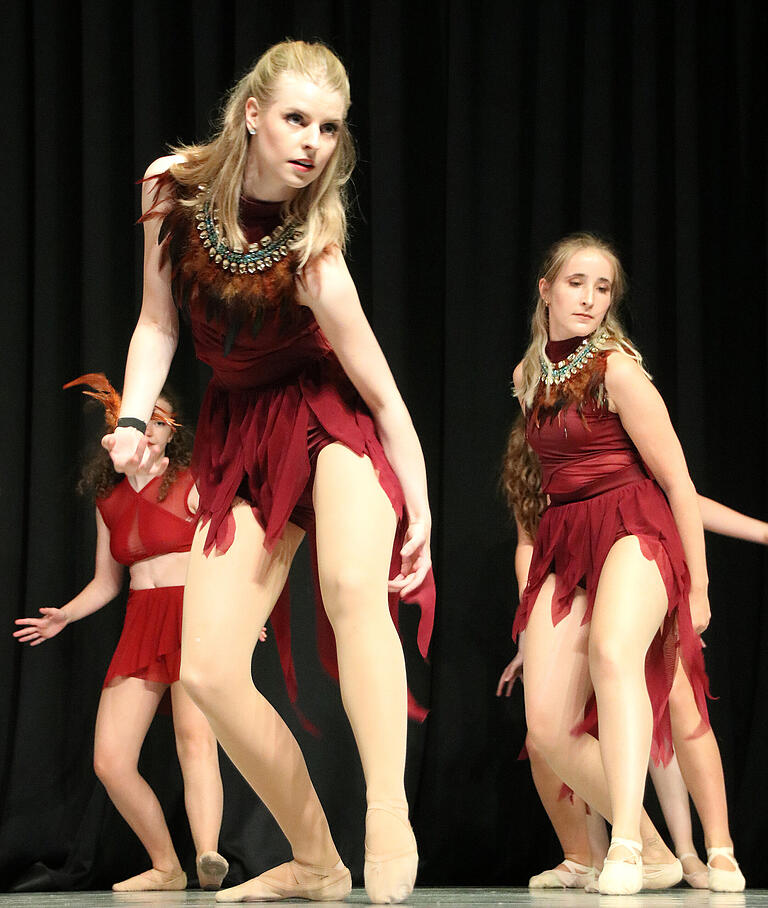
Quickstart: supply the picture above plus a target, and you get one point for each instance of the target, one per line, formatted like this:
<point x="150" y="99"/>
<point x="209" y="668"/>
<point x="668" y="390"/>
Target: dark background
<point x="486" y="131"/>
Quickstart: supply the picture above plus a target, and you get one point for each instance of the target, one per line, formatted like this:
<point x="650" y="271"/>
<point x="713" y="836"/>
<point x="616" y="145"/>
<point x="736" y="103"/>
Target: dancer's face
<point x="295" y="136"/>
<point x="580" y="295"/>
<point x="158" y="433"/>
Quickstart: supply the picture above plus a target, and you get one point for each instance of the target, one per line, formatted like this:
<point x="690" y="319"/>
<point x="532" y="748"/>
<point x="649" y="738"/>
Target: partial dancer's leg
<point x="630" y="605"/>
<point x="126" y="709"/>
<point x="228" y="598"/>
<point x="599" y="841"/>
<point x="674" y="801"/>
<point x="355" y="531"/>
<point x="557" y="687"/>
<point x="568" y="818"/>
<point x="203" y="793"/>
<point x="702" y="769"/>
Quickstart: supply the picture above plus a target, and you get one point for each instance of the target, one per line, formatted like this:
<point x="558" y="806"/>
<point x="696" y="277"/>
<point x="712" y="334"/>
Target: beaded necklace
<point x="557" y="374"/>
<point x="260" y="256"/>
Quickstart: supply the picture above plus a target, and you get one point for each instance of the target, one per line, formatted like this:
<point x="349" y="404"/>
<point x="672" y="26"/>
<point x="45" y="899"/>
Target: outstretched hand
<point x="35" y="631"/>
<point x="131" y="453"/>
<point x="415" y="562"/>
<point x="510" y="674"/>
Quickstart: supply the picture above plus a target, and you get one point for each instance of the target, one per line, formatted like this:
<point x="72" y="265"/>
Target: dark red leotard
<point x="142" y="527"/>
<point x="600" y="491"/>
<point x="276" y="398"/>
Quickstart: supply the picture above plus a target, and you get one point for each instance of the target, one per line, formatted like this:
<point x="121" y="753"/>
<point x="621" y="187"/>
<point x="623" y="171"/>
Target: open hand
<point x="35" y="631"/>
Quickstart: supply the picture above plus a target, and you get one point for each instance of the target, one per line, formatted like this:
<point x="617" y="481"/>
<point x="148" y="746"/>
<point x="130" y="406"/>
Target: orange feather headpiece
<point x="110" y="399"/>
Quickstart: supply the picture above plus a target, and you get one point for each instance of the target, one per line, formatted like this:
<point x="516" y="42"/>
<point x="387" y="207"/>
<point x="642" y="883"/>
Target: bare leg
<point x="227" y="600"/>
<point x="599" y="841"/>
<point x="203" y="793"/>
<point x="702" y="769"/>
<point x="674" y="801"/>
<point x="557" y="687"/>
<point x="125" y="712"/>
<point x="629" y="607"/>
<point x="355" y="531"/>
<point x="567" y="816"/>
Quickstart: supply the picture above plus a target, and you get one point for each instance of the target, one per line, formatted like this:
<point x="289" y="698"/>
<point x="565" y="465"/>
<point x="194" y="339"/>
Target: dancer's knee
<point x="347" y="596"/>
<point x="205" y="680"/>
<point x="612" y="658"/>
<point x="111" y="763"/>
<point x="546" y="733"/>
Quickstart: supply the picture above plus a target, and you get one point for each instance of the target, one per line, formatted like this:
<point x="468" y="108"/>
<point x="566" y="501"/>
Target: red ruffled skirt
<point x="150" y="644"/>
<point x="261" y="444"/>
<point x="573" y="541"/>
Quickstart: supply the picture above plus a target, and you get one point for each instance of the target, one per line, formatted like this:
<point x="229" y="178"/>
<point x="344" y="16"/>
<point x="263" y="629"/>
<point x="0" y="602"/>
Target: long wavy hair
<point x="319" y="210"/>
<point x="555" y="259"/>
<point x="98" y="476"/>
<point x="520" y="480"/>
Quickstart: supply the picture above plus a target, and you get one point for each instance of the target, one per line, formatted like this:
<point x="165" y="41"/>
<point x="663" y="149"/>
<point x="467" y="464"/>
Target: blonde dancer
<point x="302" y="429"/>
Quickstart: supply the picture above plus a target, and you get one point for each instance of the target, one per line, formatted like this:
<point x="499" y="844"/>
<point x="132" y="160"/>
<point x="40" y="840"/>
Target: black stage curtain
<point x="486" y="130"/>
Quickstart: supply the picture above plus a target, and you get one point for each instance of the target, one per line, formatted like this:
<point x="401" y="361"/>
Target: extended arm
<point x="644" y="416"/>
<point x="154" y="339"/>
<point x="720" y="519"/>
<point x="106" y="583"/>
<point x="328" y="290"/>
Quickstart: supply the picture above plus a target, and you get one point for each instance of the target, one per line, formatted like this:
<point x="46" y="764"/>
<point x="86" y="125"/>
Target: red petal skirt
<point x="573" y="542"/>
<point x="261" y="444"/>
<point x="150" y="644"/>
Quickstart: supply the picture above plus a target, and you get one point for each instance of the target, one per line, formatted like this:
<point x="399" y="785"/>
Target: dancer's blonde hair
<point x="554" y="261"/>
<point x="318" y="210"/>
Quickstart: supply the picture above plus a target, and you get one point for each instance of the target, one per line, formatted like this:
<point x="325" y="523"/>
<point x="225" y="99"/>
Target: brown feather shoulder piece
<point x="233" y="297"/>
<point x="583" y="390"/>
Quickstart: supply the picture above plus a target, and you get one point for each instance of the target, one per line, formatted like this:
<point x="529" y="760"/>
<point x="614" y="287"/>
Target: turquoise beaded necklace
<point x="552" y="374"/>
<point x="259" y="256"/>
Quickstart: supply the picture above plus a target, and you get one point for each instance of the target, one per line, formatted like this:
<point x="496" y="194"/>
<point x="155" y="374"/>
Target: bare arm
<point x="328" y="290"/>
<point x="523" y="556"/>
<point x="154" y="339"/>
<point x="106" y="584"/>
<point x="645" y="418"/>
<point x="720" y="519"/>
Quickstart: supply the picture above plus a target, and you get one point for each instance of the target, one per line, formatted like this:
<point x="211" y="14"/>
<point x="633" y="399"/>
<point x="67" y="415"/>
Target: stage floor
<point x="421" y="898"/>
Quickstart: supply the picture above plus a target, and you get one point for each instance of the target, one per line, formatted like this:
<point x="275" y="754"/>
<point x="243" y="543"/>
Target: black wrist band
<point x="130" y="422"/>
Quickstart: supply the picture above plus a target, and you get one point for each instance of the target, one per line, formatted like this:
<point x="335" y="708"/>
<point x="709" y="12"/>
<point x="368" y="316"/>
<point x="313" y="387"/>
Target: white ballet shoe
<point x="720" y="880"/>
<point x="592" y="884"/>
<point x="574" y="876"/>
<point x="391" y="876"/>
<point x="622" y="877"/>
<point x="662" y="876"/>
<point x="154" y="881"/>
<point x="293" y="880"/>
<point x="698" y="879"/>
<point x="211" y="870"/>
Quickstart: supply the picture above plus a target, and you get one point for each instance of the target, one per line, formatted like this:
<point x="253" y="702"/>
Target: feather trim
<point x="585" y="388"/>
<point x="235" y="299"/>
<point x="103" y="392"/>
<point x="111" y="400"/>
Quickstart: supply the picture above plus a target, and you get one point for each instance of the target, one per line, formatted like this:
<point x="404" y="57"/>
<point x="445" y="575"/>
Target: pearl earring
<point x="251" y="130"/>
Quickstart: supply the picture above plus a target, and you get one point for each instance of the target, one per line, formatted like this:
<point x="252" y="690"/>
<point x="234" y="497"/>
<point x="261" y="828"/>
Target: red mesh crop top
<point x="141" y="527"/>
